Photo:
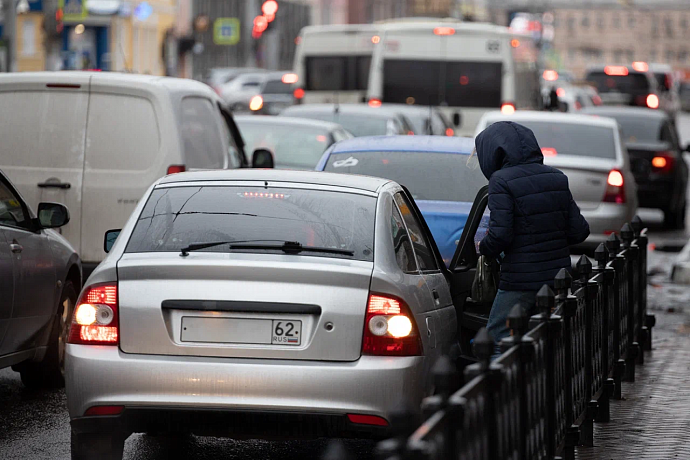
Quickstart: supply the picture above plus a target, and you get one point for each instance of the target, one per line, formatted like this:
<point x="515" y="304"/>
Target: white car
<point x="95" y="141"/>
<point x="590" y="152"/>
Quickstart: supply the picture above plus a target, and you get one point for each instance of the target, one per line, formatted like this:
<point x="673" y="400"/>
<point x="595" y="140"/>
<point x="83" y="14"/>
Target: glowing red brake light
<point x="508" y="108"/>
<point x="550" y="75"/>
<point x="389" y="328"/>
<point x="444" y="31"/>
<point x="549" y="151"/>
<point x="298" y="93"/>
<point x="616" y="70"/>
<point x="615" y="192"/>
<point x="640" y="66"/>
<point x="663" y="162"/>
<point x="560" y="92"/>
<point x="450" y="132"/>
<point x="173" y="169"/>
<point x="95" y="319"/>
<point x="653" y="101"/>
<point x="289" y="78"/>
<point x="374" y="102"/>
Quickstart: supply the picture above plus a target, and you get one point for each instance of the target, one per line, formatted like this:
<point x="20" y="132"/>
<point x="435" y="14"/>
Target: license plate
<point x="286" y="332"/>
<point x="241" y="330"/>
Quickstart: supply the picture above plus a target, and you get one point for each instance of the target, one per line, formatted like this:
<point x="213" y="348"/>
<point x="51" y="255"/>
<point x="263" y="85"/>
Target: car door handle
<point x="437" y="298"/>
<point x="16" y="248"/>
<point x="62" y="185"/>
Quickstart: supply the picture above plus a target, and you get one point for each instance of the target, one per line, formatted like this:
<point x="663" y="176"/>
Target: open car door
<point x="472" y="315"/>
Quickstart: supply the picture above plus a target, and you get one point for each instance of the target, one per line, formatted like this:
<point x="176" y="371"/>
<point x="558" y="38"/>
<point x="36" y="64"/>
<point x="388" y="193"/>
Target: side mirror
<point x="262" y="158"/>
<point x="109" y="240"/>
<point x="457" y="120"/>
<point x="52" y="215"/>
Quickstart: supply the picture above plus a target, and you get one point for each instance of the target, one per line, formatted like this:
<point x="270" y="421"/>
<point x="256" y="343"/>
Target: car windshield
<point x="634" y="83"/>
<point x="176" y="217"/>
<point x="455" y="176"/>
<point x="638" y="129"/>
<point x="277" y="87"/>
<point x="359" y="124"/>
<point x="293" y="146"/>
<point x="573" y="139"/>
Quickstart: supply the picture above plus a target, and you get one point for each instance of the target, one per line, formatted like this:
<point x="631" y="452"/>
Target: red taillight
<point x="374" y="102"/>
<point x="640" y="66"/>
<point x="389" y="328"/>
<point x="289" y="78"/>
<point x="173" y="169"/>
<point x="361" y="419"/>
<point x="410" y="133"/>
<point x="615" y="192"/>
<point x="616" y="70"/>
<point x="653" y="101"/>
<point x="578" y="106"/>
<point x="444" y="31"/>
<point x="298" y="93"/>
<point x="560" y="92"/>
<point x="663" y="162"/>
<point x="508" y="108"/>
<point x="550" y="75"/>
<point x="95" y="319"/>
<point x="549" y="151"/>
<point x="104" y="410"/>
<point x="450" y="132"/>
<point x="255" y="103"/>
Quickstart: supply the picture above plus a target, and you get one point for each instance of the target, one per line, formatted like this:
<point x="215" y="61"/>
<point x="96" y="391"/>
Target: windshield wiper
<point x="289" y="247"/>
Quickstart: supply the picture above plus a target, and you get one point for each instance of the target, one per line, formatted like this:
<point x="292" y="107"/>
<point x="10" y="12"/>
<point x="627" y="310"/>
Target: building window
<point x="585" y="21"/>
<point x="600" y="22"/>
<point x="668" y="26"/>
<point x="631" y="20"/>
<point x="571" y="24"/>
<point x="617" y="21"/>
<point x="684" y="23"/>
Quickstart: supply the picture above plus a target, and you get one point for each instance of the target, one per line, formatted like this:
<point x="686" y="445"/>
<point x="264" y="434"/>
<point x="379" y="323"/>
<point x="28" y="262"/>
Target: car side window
<point x="234" y="156"/>
<point x="404" y="254"/>
<point x="12" y="213"/>
<point x="425" y="257"/>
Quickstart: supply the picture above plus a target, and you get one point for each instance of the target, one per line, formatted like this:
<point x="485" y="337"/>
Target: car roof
<point x="608" y="111"/>
<point x="406" y="109"/>
<point x="363" y="109"/>
<point x="287" y="121"/>
<point x="366" y="183"/>
<point x="431" y="144"/>
<point x="552" y="117"/>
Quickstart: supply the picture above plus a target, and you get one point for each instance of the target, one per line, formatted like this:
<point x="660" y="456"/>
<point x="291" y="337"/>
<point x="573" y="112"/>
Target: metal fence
<point x="557" y="372"/>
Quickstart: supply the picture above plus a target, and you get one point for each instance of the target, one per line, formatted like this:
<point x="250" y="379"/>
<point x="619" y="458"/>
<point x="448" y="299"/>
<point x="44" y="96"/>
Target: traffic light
<point x="263" y="22"/>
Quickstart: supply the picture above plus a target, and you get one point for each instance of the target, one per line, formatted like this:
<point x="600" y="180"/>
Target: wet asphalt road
<point x="34" y="424"/>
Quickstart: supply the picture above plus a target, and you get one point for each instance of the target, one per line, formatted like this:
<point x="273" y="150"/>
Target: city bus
<point x="465" y="68"/>
<point x="332" y="62"/>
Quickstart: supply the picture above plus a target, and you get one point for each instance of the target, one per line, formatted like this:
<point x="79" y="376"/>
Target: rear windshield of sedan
<point x="359" y="124"/>
<point x="428" y="176"/>
<point x="294" y="146"/>
<point x="573" y="139"/>
<point x="638" y="129"/>
<point x="633" y="83"/>
<point x="176" y="217"/>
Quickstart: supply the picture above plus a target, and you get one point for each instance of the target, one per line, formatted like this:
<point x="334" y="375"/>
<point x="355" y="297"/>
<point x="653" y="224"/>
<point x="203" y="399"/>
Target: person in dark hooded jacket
<point x="533" y="220"/>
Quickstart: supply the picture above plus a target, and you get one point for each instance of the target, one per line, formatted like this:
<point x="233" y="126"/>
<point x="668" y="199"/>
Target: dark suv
<point x="623" y="85"/>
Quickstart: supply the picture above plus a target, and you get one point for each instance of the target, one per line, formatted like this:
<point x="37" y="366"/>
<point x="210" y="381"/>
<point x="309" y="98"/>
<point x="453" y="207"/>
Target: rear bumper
<point x="157" y="388"/>
<point x="656" y="194"/>
<point x="606" y="218"/>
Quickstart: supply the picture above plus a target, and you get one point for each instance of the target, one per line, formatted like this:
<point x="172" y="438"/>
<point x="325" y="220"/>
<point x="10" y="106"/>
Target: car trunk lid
<point x="587" y="183"/>
<point x="230" y="304"/>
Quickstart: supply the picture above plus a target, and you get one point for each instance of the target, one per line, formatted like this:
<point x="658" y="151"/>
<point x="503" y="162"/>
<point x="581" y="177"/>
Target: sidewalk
<point x="653" y="420"/>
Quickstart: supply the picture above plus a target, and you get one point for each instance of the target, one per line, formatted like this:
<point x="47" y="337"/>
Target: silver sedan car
<point x="258" y="303"/>
<point x="590" y="152"/>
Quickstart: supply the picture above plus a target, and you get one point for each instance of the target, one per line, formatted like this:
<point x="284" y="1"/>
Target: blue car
<point x="440" y="173"/>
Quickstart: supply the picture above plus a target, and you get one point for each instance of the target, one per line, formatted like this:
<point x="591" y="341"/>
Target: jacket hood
<point x="505" y="143"/>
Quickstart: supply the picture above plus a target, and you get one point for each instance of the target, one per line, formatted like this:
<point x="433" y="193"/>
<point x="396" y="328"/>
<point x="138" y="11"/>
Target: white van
<point x="332" y="62"/>
<point x="96" y="141"/>
<point x="468" y="68"/>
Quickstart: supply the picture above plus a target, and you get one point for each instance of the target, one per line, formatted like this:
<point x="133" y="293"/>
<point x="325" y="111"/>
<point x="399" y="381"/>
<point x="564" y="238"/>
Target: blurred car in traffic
<point x="110" y="136"/>
<point x="571" y="98"/>
<point x="669" y="99"/>
<point x="589" y="151"/>
<point x="265" y="93"/>
<point x="253" y="303"/>
<point x="358" y="119"/>
<point x="425" y="120"/>
<point x="40" y="276"/>
<point x="219" y="76"/>
<point x="684" y="94"/>
<point x="625" y="85"/>
<point x="296" y="143"/>
<point x="436" y="170"/>
<point x="656" y="159"/>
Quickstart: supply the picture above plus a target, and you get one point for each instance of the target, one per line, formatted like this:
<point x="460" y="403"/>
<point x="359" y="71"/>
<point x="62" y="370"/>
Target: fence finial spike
<point x="613" y="243"/>
<point x="583" y="267"/>
<point x="483" y="345"/>
<point x="627" y="233"/>
<point x="637" y="224"/>
<point x="336" y="450"/>
<point x="563" y="280"/>
<point x="518" y="321"/>
<point x="546" y="299"/>
<point x="601" y="255"/>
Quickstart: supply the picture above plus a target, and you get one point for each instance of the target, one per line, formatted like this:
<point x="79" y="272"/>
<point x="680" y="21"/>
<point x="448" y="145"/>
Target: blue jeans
<point x="503" y="303"/>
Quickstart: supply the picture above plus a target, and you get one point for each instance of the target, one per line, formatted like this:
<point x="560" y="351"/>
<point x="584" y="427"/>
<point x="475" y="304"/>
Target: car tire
<point x="50" y="372"/>
<point x="97" y="446"/>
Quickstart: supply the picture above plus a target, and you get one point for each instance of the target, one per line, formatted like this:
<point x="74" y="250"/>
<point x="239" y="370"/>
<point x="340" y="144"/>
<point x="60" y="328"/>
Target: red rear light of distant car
<point x="663" y="162"/>
<point x="374" y="102"/>
<point x="174" y="169"/>
<point x="640" y="66"/>
<point x="507" y="108"/>
<point x="444" y="31"/>
<point x="256" y="103"/>
<point x="361" y="419"/>
<point x="653" y="101"/>
<point x="616" y="70"/>
<point x="615" y="192"/>
<point x="95" y="319"/>
<point x="389" y="328"/>
<point x="450" y="132"/>
<point x="298" y="93"/>
<point x="549" y="151"/>
<point x="104" y="410"/>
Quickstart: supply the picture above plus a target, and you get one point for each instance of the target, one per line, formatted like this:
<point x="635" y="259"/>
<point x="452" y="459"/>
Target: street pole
<point x="10" y="34"/>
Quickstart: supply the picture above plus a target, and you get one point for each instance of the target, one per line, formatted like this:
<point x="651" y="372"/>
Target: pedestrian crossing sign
<point x="226" y="31"/>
